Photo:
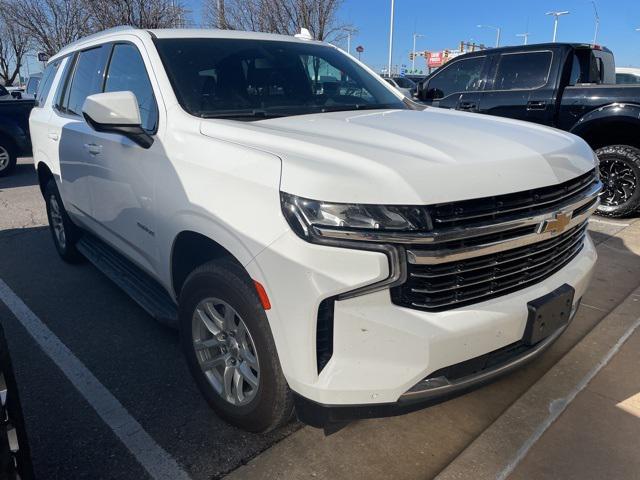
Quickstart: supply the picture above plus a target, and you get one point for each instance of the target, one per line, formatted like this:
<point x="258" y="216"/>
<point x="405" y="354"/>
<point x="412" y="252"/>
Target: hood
<point x="410" y="157"/>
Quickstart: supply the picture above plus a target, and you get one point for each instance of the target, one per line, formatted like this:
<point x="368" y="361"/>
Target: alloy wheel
<point x="4" y="158"/>
<point x="619" y="180"/>
<point x="57" y="223"/>
<point x="225" y="351"/>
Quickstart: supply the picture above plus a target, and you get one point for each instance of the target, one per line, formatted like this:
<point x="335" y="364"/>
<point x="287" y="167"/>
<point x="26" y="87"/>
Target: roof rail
<point x="73" y="44"/>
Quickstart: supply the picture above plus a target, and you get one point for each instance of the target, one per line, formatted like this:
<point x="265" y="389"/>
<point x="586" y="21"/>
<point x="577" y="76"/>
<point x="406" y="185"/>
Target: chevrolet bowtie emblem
<point x="556" y="225"/>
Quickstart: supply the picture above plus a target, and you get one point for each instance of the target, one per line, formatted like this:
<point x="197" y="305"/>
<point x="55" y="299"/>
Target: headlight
<point x="311" y="217"/>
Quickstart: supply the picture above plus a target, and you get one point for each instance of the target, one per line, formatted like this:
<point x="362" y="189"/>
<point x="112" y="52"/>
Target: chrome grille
<point x="443" y="286"/>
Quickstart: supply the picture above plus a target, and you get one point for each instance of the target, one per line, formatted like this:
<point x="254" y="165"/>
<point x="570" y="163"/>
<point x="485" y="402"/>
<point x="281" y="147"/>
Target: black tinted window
<point x="404" y="82"/>
<point x="44" y="84"/>
<point x="523" y="71"/>
<point x="244" y="78"/>
<point x="627" y="78"/>
<point x="458" y="77"/>
<point x="128" y="73"/>
<point x="87" y="78"/>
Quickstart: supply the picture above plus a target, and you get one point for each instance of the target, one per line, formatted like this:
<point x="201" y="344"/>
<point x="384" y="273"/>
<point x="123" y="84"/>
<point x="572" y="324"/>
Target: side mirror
<point x="116" y="112"/>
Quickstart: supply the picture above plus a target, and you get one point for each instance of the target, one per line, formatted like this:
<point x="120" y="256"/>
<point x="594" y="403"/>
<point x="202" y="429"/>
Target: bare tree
<point x="137" y="13"/>
<point x="51" y="24"/>
<point x="286" y="17"/>
<point x="14" y="44"/>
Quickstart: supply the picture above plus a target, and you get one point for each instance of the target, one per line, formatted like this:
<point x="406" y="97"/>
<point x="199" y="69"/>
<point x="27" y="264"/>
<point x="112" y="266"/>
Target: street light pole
<point x="413" y="58"/>
<point x="556" y="16"/>
<point x="525" y="36"/>
<point x="497" y="29"/>
<point x="391" y="38"/>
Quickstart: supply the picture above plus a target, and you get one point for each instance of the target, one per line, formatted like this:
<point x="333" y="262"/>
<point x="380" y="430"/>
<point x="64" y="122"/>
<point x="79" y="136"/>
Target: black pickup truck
<point x="568" y="86"/>
<point x="14" y="130"/>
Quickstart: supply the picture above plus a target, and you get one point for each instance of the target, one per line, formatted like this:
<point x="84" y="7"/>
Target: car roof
<point x="112" y="34"/>
<point x="634" y="70"/>
<point x="533" y="47"/>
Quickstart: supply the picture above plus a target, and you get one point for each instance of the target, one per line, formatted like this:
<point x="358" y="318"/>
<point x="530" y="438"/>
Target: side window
<point x="627" y="78"/>
<point x="523" y="71"/>
<point x="458" y="77"/>
<point x="45" y="83"/>
<point x="87" y="78"/>
<point x="128" y="73"/>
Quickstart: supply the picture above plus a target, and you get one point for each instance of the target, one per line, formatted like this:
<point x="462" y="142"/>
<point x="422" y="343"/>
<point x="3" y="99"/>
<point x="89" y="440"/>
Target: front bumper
<point x="382" y="350"/>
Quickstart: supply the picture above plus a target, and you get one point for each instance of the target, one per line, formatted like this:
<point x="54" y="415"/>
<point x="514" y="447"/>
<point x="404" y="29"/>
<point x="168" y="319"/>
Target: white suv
<point x="317" y="239"/>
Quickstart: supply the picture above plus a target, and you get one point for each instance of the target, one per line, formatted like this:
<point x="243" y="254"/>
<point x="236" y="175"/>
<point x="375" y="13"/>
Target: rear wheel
<point x="230" y="351"/>
<point x="65" y="234"/>
<point x="620" y="174"/>
<point x="7" y="157"/>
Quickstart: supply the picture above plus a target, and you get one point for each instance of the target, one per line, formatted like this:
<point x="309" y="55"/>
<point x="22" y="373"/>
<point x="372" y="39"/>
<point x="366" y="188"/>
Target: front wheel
<point x="229" y="348"/>
<point x="620" y="174"/>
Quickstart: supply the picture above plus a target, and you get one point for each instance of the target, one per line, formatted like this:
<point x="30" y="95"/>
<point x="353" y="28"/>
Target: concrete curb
<point x="499" y="449"/>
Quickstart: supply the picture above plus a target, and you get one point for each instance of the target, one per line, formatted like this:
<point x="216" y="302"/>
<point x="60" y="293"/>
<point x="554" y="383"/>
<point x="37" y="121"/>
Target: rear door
<point x="521" y="86"/>
<point x="68" y="128"/>
<point x="457" y="85"/>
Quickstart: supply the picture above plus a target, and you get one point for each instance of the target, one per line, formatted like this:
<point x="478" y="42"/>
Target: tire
<point x="222" y="292"/>
<point x="64" y="233"/>
<point x="620" y="173"/>
<point x="8" y="157"/>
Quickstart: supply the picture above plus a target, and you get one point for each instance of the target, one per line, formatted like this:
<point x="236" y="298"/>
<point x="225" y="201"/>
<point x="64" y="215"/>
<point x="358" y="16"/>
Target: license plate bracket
<point x="548" y="313"/>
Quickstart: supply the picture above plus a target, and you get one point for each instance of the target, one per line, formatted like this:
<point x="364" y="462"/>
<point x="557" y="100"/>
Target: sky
<point x="445" y="23"/>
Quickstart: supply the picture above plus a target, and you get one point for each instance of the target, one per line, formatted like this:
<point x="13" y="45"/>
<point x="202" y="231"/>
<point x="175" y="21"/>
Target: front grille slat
<point x="492" y="208"/>
<point x="477" y="266"/>
<point x="498" y="274"/>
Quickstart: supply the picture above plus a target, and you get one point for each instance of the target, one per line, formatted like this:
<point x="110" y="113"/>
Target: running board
<point x="143" y="289"/>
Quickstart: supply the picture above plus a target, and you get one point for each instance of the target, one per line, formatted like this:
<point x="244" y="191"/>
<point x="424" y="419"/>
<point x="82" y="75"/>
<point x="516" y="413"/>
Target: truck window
<point x="45" y="83"/>
<point x="627" y="78"/>
<point x="594" y="66"/>
<point x="128" y="73"/>
<point x="461" y="76"/>
<point x="87" y="78"/>
<point x="523" y="71"/>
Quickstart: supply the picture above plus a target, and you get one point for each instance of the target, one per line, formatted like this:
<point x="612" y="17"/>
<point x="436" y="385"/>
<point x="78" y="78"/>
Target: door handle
<point x="53" y="136"/>
<point x="536" y="105"/>
<point x="93" y="148"/>
<point x="468" y="106"/>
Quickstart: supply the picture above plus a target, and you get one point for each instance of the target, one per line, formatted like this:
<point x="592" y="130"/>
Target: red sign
<point x="435" y="60"/>
<point x="359" y="49"/>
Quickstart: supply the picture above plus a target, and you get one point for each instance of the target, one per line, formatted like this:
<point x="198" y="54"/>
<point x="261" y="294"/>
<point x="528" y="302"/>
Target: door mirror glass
<point x="116" y="112"/>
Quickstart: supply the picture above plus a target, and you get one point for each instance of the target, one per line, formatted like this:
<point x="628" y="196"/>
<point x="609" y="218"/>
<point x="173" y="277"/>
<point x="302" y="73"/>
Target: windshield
<point x="253" y="79"/>
<point x="404" y="82"/>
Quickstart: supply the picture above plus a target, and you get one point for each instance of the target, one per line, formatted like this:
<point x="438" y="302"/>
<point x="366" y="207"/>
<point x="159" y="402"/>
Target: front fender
<point x="615" y="112"/>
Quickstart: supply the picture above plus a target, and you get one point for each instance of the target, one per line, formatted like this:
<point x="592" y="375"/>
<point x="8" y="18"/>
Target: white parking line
<point x="153" y="458"/>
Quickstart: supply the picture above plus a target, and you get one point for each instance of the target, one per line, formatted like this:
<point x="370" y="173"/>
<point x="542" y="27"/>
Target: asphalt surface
<point x="140" y="363"/>
<point x="138" y="360"/>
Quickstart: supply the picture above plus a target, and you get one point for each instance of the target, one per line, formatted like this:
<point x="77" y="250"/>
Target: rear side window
<point x="458" y="77"/>
<point x="128" y="73"/>
<point x="44" y="85"/>
<point x="523" y="71"/>
<point x="87" y="78"/>
<point x="627" y="78"/>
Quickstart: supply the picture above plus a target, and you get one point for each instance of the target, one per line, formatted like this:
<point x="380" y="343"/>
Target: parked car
<point x="404" y="85"/>
<point x="627" y="75"/>
<point x="14" y="131"/>
<point x="15" y="91"/>
<point x="32" y="86"/>
<point x="330" y="249"/>
<point x="567" y="86"/>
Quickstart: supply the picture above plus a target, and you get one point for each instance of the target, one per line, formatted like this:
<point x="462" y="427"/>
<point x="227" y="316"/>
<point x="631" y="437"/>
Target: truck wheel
<point x="230" y="351"/>
<point x="620" y="174"/>
<point x="65" y="234"/>
<point x="7" y="157"/>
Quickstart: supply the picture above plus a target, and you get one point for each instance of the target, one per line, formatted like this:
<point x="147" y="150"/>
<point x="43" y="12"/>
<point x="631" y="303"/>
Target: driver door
<point x="458" y="85"/>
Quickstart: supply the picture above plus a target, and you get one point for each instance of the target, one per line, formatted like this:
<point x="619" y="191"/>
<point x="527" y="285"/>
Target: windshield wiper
<point x="357" y="106"/>
<point x="241" y="114"/>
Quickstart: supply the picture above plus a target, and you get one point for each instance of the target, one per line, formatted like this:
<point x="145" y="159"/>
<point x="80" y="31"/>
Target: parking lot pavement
<point x="139" y="363"/>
